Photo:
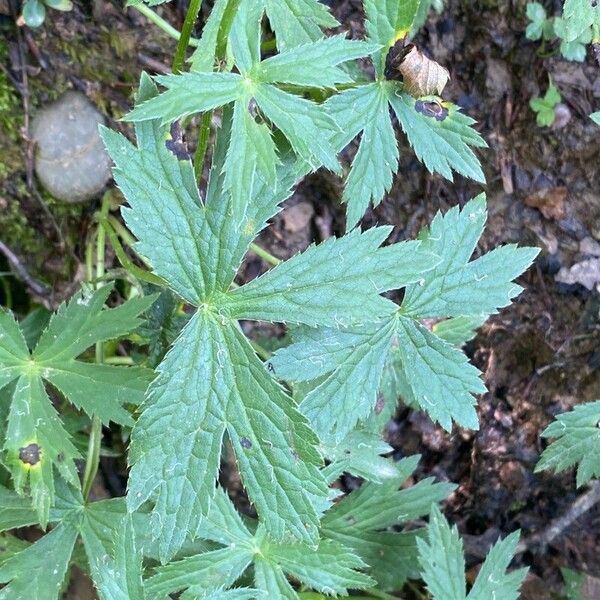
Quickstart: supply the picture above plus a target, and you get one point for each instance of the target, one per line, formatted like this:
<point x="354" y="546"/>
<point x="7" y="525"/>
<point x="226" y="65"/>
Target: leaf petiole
<point x="162" y="24"/>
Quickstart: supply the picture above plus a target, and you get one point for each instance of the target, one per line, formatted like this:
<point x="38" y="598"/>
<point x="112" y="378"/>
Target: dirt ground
<point x="540" y="357"/>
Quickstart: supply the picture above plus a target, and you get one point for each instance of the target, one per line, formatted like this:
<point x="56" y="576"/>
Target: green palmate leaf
<point x="228" y="385"/>
<point x="211" y="376"/>
<point x="359" y="454"/>
<point x="205" y="572"/>
<point x="36" y="441"/>
<point x="188" y="93"/>
<point x="349" y="392"/>
<point x="297" y="22"/>
<point x="306" y="289"/>
<point x="397" y="354"/>
<point x="38" y="571"/>
<point x="457" y="287"/>
<point x="442" y="145"/>
<point x="305" y="123"/>
<point x="15" y="510"/>
<point x="439" y="377"/>
<point x="203" y="58"/>
<point x="578" y="442"/>
<point x="492" y="580"/>
<point x="115" y="562"/>
<point x="253" y="154"/>
<point x="328" y="567"/>
<point x="294" y="22"/>
<point x="35" y="438"/>
<point x="442" y="559"/>
<point x="458" y="330"/>
<point x="443" y="565"/>
<point x="245" y="34"/>
<point x="314" y="64"/>
<point x="366" y="109"/>
<point x="433" y="374"/>
<point x="544" y="107"/>
<point x="359" y="520"/>
<point x="198" y="251"/>
<point x="107" y="532"/>
<point x="536" y="13"/>
<point x="389" y="21"/>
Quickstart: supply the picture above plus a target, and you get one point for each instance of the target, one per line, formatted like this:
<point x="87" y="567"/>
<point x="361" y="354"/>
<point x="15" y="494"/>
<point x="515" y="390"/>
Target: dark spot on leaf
<point x="350" y="519"/>
<point x="60" y="457"/>
<point x="245" y="443"/>
<point x="270" y="367"/>
<point x="177" y="144"/>
<point x="253" y="108"/>
<point x="30" y="455"/>
<point x="347" y="451"/>
<point x="432" y="109"/>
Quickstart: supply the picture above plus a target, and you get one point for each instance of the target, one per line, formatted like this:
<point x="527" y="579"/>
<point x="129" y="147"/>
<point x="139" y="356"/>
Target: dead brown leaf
<point x="422" y="76"/>
<point x="550" y="202"/>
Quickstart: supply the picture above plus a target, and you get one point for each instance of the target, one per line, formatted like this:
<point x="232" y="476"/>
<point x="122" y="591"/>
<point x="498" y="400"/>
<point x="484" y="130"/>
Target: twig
<point x="33" y="284"/>
<point x="557" y="526"/>
<point x="152" y="63"/>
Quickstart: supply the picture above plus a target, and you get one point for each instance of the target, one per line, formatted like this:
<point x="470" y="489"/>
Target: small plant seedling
<point x="578" y="26"/>
<point x="544" y="107"/>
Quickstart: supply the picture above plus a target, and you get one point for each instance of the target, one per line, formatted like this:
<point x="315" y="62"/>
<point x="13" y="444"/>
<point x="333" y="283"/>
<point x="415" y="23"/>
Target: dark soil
<point x="539" y="357"/>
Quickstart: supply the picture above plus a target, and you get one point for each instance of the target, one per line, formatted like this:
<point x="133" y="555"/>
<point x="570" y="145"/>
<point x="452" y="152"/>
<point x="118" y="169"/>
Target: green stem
<point x="121" y="231"/>
<point x="186" y="34"/>
<point x="202" y="143"/>
<point x="162" y="24"/>
<point x="225" y="27"/>
<point x="124" y="259"/>
<point x="93" y="453"/>
<point x="266" y="256"/>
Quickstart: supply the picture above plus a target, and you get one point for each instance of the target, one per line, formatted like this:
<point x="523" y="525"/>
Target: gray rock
<point x="71" y="162"/>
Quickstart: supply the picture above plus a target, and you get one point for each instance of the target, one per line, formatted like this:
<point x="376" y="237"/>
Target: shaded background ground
<point x="539" y="357"/>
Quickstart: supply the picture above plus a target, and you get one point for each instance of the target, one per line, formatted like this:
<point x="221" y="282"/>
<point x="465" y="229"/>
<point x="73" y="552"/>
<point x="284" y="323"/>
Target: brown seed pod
<point x="421" y="75"/>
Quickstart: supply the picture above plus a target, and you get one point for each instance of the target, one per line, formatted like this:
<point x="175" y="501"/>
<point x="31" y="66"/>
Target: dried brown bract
<point x="422" y="76"/>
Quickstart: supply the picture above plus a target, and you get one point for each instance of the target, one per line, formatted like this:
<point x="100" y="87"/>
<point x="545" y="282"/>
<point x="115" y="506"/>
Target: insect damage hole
<point x="177" y="144"/>
<point x="30" y="455"/>
<point x="245" y="443"/>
